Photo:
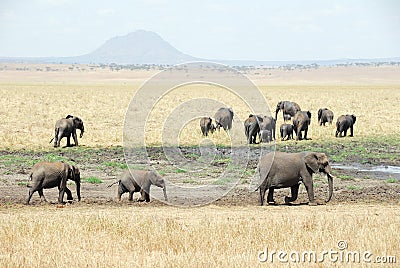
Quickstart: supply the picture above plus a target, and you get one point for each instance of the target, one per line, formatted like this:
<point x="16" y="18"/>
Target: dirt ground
<point x="350" y="186"/>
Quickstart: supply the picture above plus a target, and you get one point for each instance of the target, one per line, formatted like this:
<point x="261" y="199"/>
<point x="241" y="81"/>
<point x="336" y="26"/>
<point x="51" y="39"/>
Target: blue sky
<point x="246" y="30"/>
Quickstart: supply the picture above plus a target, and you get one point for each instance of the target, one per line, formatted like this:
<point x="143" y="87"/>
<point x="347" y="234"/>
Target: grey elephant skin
<point x="325" y="116"/>
<point x="252" y="128"/>
<point x="268" y="123"/>
<point x="139" y="181"/>
<point x="265" y="136"/>
<point x="289" y="109"/>
<point x="66" y="127"/>
<point x="206" y="126"/>
<point x="223" y="118"/>
<point x="286" y="131"/>
<point x="282" y="170"/>
<point x="343" y="123"/>
<point x="46" y="175"/>
<point x="301" y="121"/>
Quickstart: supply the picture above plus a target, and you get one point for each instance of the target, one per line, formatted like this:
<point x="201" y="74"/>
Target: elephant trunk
<point x="78" y="190"/>
<point x="82" y="131"/>
<point x="165" y="193"/>
<point x="330" y="185"/>
<point x="276" y="113"/>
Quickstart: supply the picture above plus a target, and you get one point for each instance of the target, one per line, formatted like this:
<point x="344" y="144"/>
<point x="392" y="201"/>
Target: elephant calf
<point x="286" y="130"/>
<point x="65" y="127"/>
<point x="343" y="123"/>
<point x="139" y="181"/>
<point x="325" y="116"/>
<point x="206" y="125"/>
<point x="283" y="170"/>
<point x="46" y="175"/>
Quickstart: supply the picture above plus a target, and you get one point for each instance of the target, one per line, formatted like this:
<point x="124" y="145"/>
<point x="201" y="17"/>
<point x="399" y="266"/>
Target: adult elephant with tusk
<point x="282" y="170"/>
<point x="289" y="109"/>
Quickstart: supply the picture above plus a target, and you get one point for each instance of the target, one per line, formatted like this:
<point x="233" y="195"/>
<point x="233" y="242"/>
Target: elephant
<point x="268" y="123"/>
<point x="206" y="125"/>
<point x="265" y="135"/>
<point x="46" y="175"/>
<point x="343" y="123"/>
<point x="288" y="108"/>
<point x="252" y="127"/>
<point x="66" y="127"/>
<point x="282" y="170"/>
<point x="286" y="130"/>
<point x="325" y="116"/>
<point x="223" y="118"/>
<point x="301" y="121"/>
<point x="139" y="181"/>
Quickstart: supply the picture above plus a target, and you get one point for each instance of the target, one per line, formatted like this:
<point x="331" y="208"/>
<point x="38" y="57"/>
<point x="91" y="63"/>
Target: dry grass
<point x="79" y="236"/>
<point x="29" y="111"/>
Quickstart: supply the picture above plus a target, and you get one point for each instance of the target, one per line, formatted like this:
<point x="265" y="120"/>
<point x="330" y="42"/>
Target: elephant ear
<point x="69" y="116"/>
<point x="311" y="161"/>
<point x="71" y="173"/>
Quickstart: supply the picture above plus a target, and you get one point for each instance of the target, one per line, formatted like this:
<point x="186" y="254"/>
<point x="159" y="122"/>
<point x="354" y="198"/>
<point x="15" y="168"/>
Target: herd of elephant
<point x="264" y="127"/>
<point x="276" y="169"/>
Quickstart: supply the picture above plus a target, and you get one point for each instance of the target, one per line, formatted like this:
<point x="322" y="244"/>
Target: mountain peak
<point x="139" y="47"/>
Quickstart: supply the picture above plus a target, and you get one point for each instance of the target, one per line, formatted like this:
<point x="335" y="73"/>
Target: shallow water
<point x="393" y="170"/>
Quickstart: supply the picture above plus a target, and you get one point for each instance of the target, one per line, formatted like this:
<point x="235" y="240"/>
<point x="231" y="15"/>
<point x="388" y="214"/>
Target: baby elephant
<point x="206" y="125"/>
<point x="139" y="181"/>
<point x="343" y="123"/>
<point x="286" y="131"/>
<point x="46" y="175"/>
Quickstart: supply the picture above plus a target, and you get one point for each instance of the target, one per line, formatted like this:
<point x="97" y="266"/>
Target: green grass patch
<point x="224" y="181"/>
<point x="189" y="181"/>
<point x="115" y="164"/>
<point x="391" y="180"/>
<point x="345" y="177"/>
<point x="178" y="170"/>
<point x="93" y="180"/>
<point x="354" y="187"/>
<point x="22" y="183"/>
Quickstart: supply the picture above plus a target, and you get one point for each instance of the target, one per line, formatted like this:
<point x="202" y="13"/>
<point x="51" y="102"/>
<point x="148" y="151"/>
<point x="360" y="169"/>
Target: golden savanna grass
<point x="83" y="235"/>
<point x="29" y="111"/>
<point x="80" y="236"/>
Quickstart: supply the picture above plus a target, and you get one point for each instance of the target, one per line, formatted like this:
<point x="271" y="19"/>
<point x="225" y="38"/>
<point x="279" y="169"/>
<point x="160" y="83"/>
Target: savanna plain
<point x="362" y="219"/>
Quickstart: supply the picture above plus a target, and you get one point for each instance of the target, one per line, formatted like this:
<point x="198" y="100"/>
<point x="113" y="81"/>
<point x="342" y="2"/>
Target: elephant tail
<point x="118" y="181"/>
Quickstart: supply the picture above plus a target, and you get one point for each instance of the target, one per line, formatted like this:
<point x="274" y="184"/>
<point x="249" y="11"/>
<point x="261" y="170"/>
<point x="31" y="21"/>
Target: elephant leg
<point x="270" y="197"/>
<point x="143" y="195"/>
<point x="310" y="191"/>
<point x="31" y="191"/>
<point x="130" y="195"/>
<point x="345" y="132"/>
<point x="120" y="192"/>
<point x="294" y="192"/>
<point x="336" y="133"/>
<point x="69" y="141"/>
<point x="305" y="133"/>
<point x="262" y="195"/>
<point x="75" y="137"/>
<point x="42" y="198"/>
<point x="351" y="131"/>
<point x="69" y="194"/>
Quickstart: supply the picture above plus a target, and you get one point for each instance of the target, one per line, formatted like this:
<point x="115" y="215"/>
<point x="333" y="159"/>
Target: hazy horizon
<point x="263" y="31"/>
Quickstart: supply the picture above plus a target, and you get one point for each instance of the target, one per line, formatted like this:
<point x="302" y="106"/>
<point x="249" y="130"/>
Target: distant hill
<point x="146" y="47"/>
<point x="140" y="47"/>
